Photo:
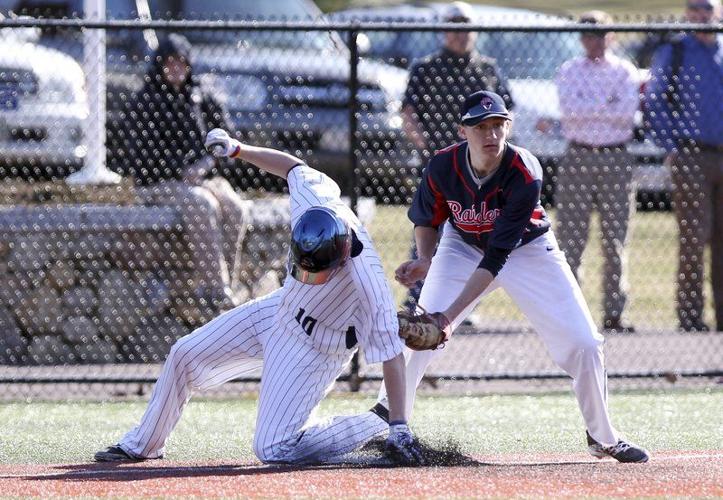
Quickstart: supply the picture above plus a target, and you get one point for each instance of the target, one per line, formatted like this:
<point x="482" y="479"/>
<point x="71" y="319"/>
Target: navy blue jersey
<point x="501" y="213"/>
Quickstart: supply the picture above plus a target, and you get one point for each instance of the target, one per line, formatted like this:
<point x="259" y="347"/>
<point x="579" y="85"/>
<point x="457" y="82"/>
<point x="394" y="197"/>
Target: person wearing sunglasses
<point x="683" y="109"/>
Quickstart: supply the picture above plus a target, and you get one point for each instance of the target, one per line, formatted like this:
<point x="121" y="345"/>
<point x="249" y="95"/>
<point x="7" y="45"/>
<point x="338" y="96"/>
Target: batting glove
<point x="401" y="447"/>
<point x="221" y="145"/>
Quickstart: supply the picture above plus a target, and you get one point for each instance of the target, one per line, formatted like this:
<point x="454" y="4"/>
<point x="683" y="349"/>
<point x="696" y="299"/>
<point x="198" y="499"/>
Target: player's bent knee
<point x="181" y="347"/>
<point x="264" y="451"/>
<point x="275" y="451"/>
<point x="181" y="352"/>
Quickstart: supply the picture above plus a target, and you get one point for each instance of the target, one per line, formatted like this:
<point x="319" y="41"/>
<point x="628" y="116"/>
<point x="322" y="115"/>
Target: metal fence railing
<point x="97" y="282"/>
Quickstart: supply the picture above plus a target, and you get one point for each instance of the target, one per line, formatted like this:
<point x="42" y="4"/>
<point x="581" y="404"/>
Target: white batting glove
<point x="221" y="145"/>
<point x="401" y="447"/>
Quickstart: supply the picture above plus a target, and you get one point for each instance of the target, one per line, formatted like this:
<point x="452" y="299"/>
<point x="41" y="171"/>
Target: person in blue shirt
<point x="684" y="106"/>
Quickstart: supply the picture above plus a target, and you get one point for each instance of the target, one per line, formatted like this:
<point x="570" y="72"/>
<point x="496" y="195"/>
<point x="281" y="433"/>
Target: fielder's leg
<point x="539" y="280"/>
<point x="219" y="351"/>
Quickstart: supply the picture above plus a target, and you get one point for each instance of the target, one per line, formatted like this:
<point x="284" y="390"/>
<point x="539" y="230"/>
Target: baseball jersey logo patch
<point x="471" y="221"/>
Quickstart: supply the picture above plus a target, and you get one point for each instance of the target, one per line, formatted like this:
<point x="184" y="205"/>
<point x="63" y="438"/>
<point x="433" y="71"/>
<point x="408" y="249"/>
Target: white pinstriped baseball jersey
<point x="303" y="334"/>
<point x="357" y="296"/>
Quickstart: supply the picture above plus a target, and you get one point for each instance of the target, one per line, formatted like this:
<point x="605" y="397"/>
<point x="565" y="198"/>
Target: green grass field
<point x="652" y="264"/>
<point x="223" y="429"/>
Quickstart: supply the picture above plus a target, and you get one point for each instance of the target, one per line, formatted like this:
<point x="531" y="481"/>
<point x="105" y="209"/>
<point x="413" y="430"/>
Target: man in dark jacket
<point x="158" y="140"/>
<point x="438" y="83"/>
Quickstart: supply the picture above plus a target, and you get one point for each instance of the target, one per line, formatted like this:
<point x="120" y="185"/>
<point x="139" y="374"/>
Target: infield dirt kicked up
<point x="689" y="474"/>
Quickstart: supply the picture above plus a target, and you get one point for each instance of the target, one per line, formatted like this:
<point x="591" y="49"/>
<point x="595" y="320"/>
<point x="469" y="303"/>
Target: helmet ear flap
<point x="356" y="245"/>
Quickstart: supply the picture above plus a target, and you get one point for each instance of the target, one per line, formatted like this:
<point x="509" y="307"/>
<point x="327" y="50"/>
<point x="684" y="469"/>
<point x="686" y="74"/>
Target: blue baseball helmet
<point x="320" y="243"/>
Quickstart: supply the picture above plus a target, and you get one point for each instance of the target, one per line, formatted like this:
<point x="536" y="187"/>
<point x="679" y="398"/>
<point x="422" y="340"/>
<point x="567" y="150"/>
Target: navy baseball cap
<point x="482" y="105"/>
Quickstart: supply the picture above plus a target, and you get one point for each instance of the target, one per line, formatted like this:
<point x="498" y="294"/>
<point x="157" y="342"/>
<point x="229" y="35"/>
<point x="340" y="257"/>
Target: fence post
<point x="354" y="377"/>
<point x="353" y="121"/>
<point x="94" y="170"/>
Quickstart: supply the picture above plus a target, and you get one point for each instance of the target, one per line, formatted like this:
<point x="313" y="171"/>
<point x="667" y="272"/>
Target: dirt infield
<point x="679" y="474"/>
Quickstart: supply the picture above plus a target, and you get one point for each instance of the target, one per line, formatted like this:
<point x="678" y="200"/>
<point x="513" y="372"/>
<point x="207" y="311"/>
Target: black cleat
<point x="622" y="451"/>
<point x="116" y="454"/>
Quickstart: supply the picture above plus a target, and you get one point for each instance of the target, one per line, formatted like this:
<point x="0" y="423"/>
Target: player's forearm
<point x="271" y="160"/>
<point x="426" y="240"/>
<point x="395" y="382"/>
<point x="476" y="284"/>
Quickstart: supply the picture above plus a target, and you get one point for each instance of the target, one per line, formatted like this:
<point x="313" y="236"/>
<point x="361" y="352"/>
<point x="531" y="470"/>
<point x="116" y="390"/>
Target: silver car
<point x="43" y="105"/>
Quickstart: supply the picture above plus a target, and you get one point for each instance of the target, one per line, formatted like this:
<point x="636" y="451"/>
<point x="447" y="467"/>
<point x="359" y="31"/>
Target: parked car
<point x="282" y="88"/>
<point x="529" y="60"/>
<point x="126" y="58"/>
<point x="42" y="108"/>
<point x="291" y="89"/>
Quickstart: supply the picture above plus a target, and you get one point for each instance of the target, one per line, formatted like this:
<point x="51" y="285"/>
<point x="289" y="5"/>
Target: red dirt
<point x="688" y="474"/>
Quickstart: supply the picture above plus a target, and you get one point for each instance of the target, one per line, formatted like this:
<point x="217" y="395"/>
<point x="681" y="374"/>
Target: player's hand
<point x="401" y="447"/>
<point x="221" y="145"/>
<point x="411" y="271"/>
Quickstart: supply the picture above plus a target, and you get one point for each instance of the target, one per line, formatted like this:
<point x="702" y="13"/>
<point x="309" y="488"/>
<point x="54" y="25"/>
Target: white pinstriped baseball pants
<point x="295" y="378"/>
<point x="539" y="280"/>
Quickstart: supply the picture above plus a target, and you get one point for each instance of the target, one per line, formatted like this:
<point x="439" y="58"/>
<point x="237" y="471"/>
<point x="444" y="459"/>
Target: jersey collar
<point x="479" y="181"/>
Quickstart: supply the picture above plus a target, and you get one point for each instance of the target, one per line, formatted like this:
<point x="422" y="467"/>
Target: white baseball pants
<point x="295" y="378"/>
<point x="539" y="280"/>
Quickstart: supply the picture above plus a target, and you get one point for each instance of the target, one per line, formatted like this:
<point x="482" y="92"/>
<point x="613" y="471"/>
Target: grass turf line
<point x="495" y="424"/>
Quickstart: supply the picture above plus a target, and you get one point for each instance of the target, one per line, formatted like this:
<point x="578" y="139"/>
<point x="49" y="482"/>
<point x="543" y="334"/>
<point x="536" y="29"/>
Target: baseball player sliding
<point x="335" y="297"/>
<point x="485" y="193"/>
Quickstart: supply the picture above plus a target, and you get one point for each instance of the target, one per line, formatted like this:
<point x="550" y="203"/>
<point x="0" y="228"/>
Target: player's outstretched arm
<point x="400" y="446"/>
<point x="476" y="284"/>
<point x="395" y="381"/>
<point x="221" y="145"/>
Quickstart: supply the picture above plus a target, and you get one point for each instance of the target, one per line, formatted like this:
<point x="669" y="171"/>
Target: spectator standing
<point x="436" y="90"/>
<point x="439" y="82"/>
<point x="158" y="140"/>
<point x="599" y="96"/>
<point x="684" y="106"/>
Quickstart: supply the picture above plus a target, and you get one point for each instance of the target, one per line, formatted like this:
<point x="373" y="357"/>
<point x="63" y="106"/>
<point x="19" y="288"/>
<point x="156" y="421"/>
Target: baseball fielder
<point x="486" y="193"/>
<point x="334" y="297"/>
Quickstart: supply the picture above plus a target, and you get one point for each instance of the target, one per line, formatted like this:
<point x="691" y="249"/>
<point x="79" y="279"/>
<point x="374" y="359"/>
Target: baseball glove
<point x="423" y="331"/>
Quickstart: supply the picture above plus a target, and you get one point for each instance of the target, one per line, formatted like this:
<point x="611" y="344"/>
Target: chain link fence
<point x="98" y="281"/>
